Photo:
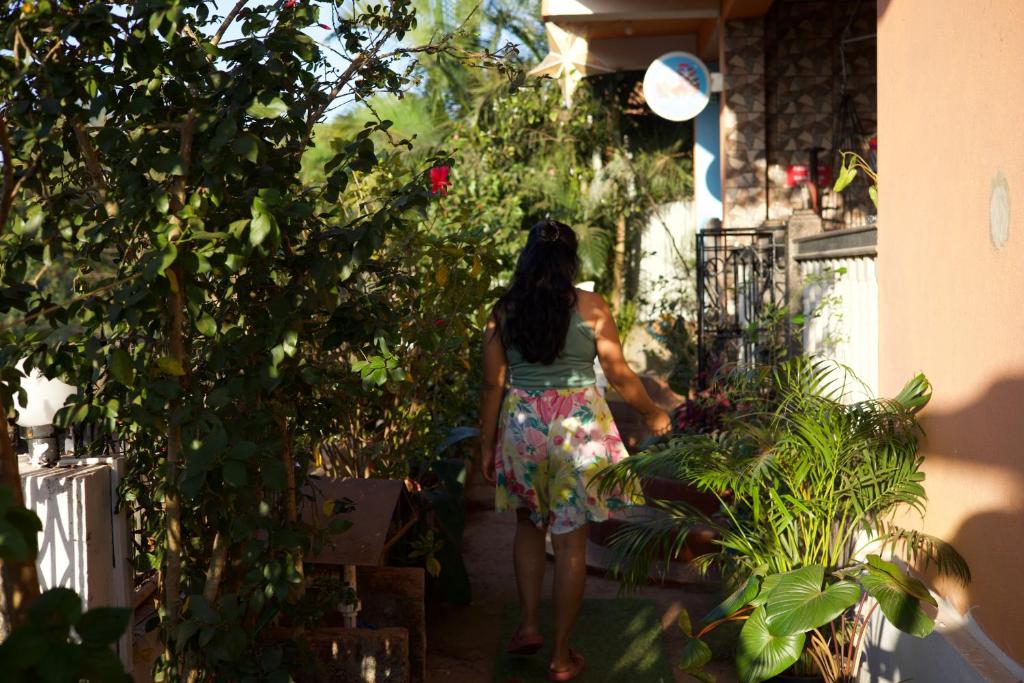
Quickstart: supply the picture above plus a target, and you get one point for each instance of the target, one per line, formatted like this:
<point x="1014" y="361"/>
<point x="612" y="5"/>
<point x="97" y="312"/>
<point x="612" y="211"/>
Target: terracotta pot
<point x="670" y="489"/>
<point x="699" y="541"/>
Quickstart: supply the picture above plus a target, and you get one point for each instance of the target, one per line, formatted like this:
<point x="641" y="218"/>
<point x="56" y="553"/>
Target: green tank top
<point x="574" y="367"/>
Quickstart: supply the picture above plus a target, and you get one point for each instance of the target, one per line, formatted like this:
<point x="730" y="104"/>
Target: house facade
<point x="933" y="278"/>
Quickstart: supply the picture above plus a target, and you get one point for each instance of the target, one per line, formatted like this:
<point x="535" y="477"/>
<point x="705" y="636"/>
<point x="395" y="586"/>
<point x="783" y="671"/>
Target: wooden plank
<point x="374" y="500"/>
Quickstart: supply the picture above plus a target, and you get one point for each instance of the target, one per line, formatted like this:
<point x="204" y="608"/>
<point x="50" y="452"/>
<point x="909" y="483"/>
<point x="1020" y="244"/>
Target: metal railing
<point x="741" y="299"/>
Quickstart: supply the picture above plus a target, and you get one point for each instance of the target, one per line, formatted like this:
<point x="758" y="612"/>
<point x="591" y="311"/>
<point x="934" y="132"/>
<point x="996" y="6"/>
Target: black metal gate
<point x="741" y="299"/>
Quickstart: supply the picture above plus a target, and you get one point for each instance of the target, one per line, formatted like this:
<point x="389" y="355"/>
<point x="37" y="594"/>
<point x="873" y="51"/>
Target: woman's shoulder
<point x="591" y="306"/>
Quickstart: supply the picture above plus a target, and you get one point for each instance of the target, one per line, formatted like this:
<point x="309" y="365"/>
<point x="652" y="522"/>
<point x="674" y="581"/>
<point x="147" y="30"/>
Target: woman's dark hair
<point x="535" y="312"/>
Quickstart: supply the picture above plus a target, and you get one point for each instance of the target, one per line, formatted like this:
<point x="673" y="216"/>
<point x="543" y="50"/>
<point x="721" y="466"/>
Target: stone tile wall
<point x="803" y="76"/>
<point x="783" y="88"/>
<point x="743" y="124"/>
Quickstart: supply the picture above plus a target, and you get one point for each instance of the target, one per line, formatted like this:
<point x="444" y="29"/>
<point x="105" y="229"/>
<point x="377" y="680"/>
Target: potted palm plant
<point x="809" y="484"/>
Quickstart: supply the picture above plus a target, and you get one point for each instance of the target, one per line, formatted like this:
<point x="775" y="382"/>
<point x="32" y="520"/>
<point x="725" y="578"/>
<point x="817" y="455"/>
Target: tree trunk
<point x="20" y="580"/>
<point x="172" y="499"/>
<point x="619" y="265"/>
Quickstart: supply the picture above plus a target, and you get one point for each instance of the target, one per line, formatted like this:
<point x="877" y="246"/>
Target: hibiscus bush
<point x="225" y="314"/>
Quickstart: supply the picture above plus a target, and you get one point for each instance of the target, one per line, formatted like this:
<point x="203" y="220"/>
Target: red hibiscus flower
<point x="439" y="180"/>
<point x="289" y="4"/>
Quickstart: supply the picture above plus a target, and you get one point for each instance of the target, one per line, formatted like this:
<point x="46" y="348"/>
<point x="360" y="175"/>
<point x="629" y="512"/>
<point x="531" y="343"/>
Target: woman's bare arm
<point x="609" y="352"/>
<point x="492" y="390"/>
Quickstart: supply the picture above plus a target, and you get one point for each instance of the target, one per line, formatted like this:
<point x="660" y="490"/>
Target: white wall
<point x="955" y="652"/>
<point x="841" y="312"/>
<point x="667" y="264"/>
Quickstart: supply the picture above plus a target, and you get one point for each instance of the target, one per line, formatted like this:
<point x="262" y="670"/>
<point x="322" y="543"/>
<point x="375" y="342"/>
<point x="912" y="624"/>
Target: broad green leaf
<point x="760" y="655"/>
<point x="268" y="108"/>
<point x="695" y="654"/>
<point x="102" y="626"/>
<point x="768" y="584"/>
<point x="873" y="193"/>
<point x="740" y="598"/>
<point x="908" y="583"/>
<point x="897" y="596"/>
<point x="798" y="603"/>
<point x="121" y="367"/>
<point x="57" y="607"/>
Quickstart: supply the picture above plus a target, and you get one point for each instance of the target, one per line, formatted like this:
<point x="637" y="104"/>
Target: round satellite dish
<point x="677" y="86"/>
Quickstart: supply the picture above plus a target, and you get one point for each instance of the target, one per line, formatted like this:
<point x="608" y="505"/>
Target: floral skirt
<point x="551" y="445"/>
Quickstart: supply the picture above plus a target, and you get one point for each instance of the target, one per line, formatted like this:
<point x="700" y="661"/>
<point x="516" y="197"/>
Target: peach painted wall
<point x="951" y="150"/>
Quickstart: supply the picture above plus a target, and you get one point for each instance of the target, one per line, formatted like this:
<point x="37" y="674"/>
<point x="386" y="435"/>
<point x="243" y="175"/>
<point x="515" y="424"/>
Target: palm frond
<point x="925" y="550"/>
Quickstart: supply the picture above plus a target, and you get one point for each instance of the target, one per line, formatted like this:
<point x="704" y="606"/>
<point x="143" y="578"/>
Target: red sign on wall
<point x="800" y="174"/>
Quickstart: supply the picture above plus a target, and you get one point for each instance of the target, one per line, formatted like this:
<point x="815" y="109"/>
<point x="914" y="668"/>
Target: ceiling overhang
<point x="609" y="26"/>
<point x="600" y="36"/>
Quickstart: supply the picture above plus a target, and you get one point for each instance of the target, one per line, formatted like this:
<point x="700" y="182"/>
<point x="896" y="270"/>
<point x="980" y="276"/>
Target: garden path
<point x="462" y="641"/>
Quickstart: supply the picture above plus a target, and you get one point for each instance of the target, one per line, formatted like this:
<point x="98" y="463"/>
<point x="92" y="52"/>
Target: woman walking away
<point x="546" y="430"/>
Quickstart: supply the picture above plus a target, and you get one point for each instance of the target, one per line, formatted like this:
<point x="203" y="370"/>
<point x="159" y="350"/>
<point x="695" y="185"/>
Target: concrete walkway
<point x="462" y="642"/>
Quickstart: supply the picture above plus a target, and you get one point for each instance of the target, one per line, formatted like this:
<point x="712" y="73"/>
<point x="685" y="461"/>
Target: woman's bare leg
<point x="570" y="581"/>
<point x="530" y="562"/>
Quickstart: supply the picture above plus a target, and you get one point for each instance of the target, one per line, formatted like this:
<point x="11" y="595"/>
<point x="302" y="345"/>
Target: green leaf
<point x="873" y="193"/>
<point x="235" y="474"/>
<point x="740" y="598"/>
<point x="267" y="108"/>
<point x="684" y="622"/>
<point x="103" y="666"/>
<point x="121" y="367"/>
<point x="159" y="260"/>
<point x="896" y="595"/>
<point x="908" y="583"/>
<point x="767" y="586"/>
<point x="761" y="655"/>
<point x="12" y="543"/>
<point x="206" y="325"/>
<point x="170" y="366"/>
<point x="798" y="603"/>
<point x="263" y="224"/>
<point x="847" y="174"/>
<point x="57" y="608"/>
<point x="339" y="526"/>
<point x="695" y="654"/>
<point x="29" y="525"/>
<point x="247" y="146"/>
<point x="102" y="626"/>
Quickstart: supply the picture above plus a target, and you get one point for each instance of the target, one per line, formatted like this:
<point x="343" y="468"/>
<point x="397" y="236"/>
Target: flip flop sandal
<point x="525" y="645"/>
<point x="570" y="673"/>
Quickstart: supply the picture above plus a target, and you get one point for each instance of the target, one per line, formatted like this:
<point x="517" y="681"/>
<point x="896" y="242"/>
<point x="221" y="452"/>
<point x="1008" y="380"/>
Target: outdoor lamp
<point x="44" y="397"/>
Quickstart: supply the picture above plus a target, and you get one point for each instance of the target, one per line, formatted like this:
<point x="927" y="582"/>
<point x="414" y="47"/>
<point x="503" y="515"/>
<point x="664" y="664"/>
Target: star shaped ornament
<point x="568" y="61"/>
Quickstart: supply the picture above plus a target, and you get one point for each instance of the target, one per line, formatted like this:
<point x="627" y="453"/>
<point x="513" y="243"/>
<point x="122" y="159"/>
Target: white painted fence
<point x="84" y="542"/>
<point x="840" y="305"/>
<point x="666" y="266"/>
